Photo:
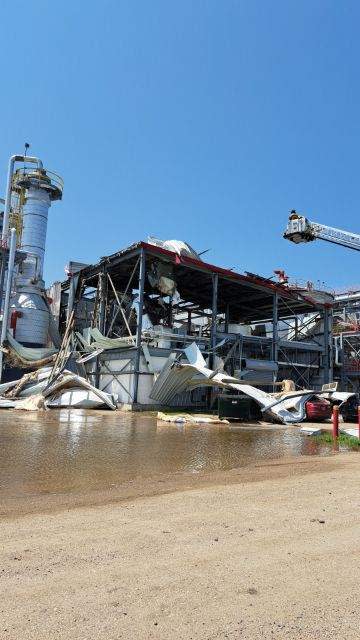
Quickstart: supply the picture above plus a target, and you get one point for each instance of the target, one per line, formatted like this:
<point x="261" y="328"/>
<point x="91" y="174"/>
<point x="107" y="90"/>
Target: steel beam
<point x="215" y="282"/>
<point x="102" y="300"/>
<point x="275" y="335"/>
<point x="275" y="321"/>
<point x="142" y="270"/>
<point x="227" y="318"/>
<point x="327" y="316"/>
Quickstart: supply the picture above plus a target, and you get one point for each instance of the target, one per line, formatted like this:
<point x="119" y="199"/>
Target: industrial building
<point x="118" y="321"/>
<point x="135" y="307"/>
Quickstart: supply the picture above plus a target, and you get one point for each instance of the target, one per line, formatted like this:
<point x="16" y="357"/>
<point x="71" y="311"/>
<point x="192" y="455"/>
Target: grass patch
<point x="344" y="440"/>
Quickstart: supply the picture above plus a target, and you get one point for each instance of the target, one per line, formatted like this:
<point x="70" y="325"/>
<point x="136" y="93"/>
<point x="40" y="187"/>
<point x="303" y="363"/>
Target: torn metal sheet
<point x="68" y="390"/>
<point x="69" y="381"/>
<point x="177" y="246"/>
<point x="339" y="396"/>
<point x="171" y="380"/>
<point x="89" y="356"/>
<point x="28" y="353"/>
<point x="177" y="377"/>
<point x="76" y="398"/>
<point x="102" y="342"/>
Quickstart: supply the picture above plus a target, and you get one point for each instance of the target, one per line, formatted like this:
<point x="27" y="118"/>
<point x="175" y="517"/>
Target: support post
<point x="275" y="336"/>
<point x="102" y="320"/>
<point x="102" y="304"/>
<point x="215" y="282"/>
<point x="326" y="360"/>
<point x="227" y="318"/>
<point x="335" y="422"/>
<point x="6" y="309"/>
<point x="74" y="281"/>
<point x="142" y="270"/>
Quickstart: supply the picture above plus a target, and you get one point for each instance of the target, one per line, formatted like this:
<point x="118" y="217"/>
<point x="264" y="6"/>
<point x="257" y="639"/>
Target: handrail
<point x="54" y="177"/>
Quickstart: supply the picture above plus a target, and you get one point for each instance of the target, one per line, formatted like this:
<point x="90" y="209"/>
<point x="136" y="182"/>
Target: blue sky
<point x="200" y="120"/>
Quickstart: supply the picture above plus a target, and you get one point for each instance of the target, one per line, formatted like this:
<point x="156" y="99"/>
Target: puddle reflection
<point x="65" y="451"/>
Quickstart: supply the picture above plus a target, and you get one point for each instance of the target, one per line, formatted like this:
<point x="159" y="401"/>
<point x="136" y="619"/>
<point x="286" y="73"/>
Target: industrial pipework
<point x="29" y="193"/>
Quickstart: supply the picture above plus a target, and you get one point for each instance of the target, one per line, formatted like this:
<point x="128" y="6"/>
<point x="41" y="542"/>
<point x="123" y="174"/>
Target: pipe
<point x="12" y="161"/>
<point x="10" y="271"/>
<point x="337" y="351"/>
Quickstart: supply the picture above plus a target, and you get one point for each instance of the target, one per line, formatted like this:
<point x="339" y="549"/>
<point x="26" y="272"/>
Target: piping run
<point x="12" y="161"/>
<point x="10" y="271"/>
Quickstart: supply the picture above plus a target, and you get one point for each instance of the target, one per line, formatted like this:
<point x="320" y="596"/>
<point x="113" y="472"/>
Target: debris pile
<point x="38" y="390"/>
<point x="287" y="407"/>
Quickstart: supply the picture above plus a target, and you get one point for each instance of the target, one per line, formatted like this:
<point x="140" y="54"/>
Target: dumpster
<point x="238" y="407"/>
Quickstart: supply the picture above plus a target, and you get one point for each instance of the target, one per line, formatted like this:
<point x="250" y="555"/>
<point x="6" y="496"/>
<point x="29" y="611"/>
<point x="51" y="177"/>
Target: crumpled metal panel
<point x="177" y="377"/>
<point x="28" y="353"/>
<point x="102" y="342"/>
<point x="68" y="389"/>
<point x="173" y="379"/>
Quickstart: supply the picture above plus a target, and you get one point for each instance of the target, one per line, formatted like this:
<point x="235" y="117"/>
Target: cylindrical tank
<point x="33" y="237"/>
<point x="37" y="190"/>
<point x="32" y="324"/>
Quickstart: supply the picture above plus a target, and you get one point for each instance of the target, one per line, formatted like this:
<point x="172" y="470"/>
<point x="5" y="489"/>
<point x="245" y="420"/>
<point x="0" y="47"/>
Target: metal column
<point x="327" y="346"/>
<point x="215" y="282"/>
<point x="73" y="285"/>
<point x="142" y="270"/>
<point x="102" y="321"/>
<point x="227" y="317"/>
<point x="6" y="309"/>
<point x="102" y="304"/>
<point x="275" y="336"/>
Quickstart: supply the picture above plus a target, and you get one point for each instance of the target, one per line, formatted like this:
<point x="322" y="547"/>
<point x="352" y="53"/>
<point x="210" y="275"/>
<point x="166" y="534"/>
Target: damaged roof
<point x="249" y="296"/>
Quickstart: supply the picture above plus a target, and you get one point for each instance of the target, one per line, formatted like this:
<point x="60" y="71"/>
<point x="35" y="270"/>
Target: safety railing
<point x="54" y="178"/>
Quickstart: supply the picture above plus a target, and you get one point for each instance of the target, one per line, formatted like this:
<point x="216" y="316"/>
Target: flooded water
<point x="63" y="451"/>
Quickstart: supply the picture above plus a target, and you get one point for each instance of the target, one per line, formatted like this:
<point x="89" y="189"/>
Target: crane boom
<point x="300" y="229"/>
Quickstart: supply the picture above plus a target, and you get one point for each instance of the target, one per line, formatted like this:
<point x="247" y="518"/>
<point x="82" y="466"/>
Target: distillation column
<point x="35" y="189"/>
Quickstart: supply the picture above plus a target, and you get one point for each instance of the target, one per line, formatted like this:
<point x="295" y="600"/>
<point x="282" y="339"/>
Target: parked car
<point x="318" y="410"/>
<point x="349" y="410"/>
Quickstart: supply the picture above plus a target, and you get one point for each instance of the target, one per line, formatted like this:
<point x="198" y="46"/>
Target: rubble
<point x="287" y="407"/>
<point x="36" y="391"/>
<point x="189" y="418"/>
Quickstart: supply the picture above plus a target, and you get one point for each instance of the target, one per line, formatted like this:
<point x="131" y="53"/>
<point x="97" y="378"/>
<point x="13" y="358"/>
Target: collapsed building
<point x="134" y="308"/>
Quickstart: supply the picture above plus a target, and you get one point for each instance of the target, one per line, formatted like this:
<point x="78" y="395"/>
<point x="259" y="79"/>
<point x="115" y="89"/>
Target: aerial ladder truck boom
<point x="300" y="229"/>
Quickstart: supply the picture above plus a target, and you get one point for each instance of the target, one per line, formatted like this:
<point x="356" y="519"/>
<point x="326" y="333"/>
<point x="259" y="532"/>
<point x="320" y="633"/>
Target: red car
<point x="317" y="410"/>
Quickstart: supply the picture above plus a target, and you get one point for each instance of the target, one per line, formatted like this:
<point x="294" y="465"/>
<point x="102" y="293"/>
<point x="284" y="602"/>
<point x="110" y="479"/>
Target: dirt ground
<point x="269" y="551"/>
